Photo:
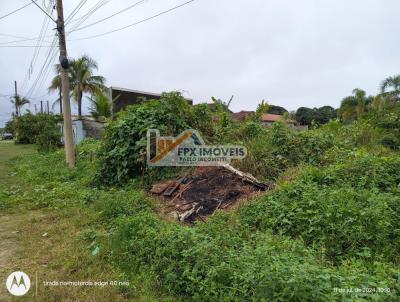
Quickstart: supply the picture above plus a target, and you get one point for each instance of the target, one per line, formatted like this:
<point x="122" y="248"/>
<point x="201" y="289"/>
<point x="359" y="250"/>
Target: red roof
<point x="242" y="115"/>
<point x="267" y="117"/>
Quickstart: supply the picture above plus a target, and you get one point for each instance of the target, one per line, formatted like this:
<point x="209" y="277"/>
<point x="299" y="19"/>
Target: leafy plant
<point x="123" y="154"/>
<point x="100" y="106"/>
<point x="40" y="129"/>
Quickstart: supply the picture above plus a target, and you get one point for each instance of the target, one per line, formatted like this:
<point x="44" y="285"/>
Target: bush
<point x="207" y="264"/>
<point x="123" y="154"/>
<point x="349" y="210"/>
<point x="271" y="151"/>
<point x="40" y="129"/>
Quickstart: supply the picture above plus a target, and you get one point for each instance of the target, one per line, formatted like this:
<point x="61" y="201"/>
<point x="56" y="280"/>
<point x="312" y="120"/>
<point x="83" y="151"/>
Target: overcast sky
<point x="291" y="53"/>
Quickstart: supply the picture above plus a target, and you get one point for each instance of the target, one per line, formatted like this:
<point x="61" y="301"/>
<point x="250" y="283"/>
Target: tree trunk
<point x="79" y="100"/>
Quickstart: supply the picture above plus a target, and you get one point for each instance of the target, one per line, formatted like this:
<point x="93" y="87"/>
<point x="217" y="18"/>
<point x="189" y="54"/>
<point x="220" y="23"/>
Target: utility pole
<point x="68" y="138"/>
<point x="59" y="90"/>
<point x="48" y="108"/>
<point x="41" y="106"/>
<point x="16" y="95"/>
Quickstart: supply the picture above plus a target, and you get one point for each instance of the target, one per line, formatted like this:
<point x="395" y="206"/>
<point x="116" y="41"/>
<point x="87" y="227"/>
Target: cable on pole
<point x="14" y="11"/>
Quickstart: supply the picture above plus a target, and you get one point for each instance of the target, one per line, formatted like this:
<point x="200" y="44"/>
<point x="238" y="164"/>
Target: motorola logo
<point x="18" y="283"/>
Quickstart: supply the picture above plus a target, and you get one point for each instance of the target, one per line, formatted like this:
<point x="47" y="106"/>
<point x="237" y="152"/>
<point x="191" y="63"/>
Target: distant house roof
<point x="242" y="115"/>
<point x="268" y="118"/>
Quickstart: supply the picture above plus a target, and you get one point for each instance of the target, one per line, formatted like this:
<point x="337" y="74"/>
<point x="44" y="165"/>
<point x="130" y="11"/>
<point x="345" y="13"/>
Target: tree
<point x="101" y="105"/>
<point x="223" y="114"/>
<point x="394" y="83"/>
<point x="304" y="115"/>
<point x="81" y="79"/>
<point x="261" y="109"/>
<point x="354" y="106"/>
<point x="19" y="102"/>
<point x="276" y="110"/>
<point x="324" y="114"/>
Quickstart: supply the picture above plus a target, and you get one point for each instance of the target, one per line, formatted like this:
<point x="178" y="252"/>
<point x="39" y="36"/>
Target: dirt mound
<point x="207" y="189"/>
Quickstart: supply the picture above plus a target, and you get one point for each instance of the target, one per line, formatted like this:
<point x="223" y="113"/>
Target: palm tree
<point x="394" y="83"/>
<point x="354" y="106"/>
<point x="18" y="102"/>
<point x="101" y="105"/>
<point x="81" y="78"/>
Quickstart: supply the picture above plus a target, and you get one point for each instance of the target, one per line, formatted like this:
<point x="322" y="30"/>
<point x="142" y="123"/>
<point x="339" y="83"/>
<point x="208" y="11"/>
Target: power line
<point x="85" y="16"/>
<point x="36" y="52"/>
<point x="113" y="15"/>
<point x="25" y="46"/>
<point x="50" y="57"/>
<point x="88" y="15"/>
<point x="51" y="54"/>
<point x="75" y="10"/>
<point x="73" y="13"/>
<point x="43" y="11"/>
<point x="136" y="23"/>
<point x="14" y="11"/>
<point x="22" y="40"/>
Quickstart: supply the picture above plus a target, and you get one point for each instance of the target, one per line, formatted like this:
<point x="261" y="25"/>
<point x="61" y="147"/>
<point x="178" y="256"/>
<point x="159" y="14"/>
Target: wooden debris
<point x="206" y="190"/>
<point x="245" y="176"/>
<point x="160" y="187"/>
<point x="170" y="190"/>
<point x="188" y="213"/>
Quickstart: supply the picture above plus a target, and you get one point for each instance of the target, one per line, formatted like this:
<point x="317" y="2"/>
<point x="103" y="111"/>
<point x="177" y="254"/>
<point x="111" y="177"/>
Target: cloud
<point x="290" y="53"/>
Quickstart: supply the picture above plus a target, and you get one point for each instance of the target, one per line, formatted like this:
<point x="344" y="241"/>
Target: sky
<point x="290" y="53"/>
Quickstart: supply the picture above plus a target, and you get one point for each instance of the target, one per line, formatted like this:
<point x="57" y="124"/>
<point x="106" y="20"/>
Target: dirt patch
<point x="207" y="189"/>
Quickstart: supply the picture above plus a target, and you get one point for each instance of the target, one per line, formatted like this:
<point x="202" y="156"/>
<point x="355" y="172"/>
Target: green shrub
<point x="123" y="154"/>
<point x="218" y="262"/>
<point x="350" y="209"/>
<point x="40" y="129"/>
<point x="271" y="151"/>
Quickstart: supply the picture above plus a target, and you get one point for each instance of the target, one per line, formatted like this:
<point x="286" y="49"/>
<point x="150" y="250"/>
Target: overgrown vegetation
<point x="41" y="129"/>
<point x="329" y="231"/>
<point x="124" y="151"/>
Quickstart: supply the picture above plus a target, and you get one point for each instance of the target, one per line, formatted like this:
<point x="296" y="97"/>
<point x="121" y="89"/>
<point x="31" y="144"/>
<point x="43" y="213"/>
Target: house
<point x="243" y="115"/>
<point x="86" y="127"/>
<point x="122" y="97"/>
<point x="268" y="119"/>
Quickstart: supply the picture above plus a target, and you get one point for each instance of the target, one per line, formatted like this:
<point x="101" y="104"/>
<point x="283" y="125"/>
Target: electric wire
<point x="16" y="10"/>
<point x="113" y="15"/>
<point x="43" y="31"/>
<point x="135" y="23"/>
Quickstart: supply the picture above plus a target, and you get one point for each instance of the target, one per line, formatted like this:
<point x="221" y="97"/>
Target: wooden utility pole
<point x="41" y="106"/>
<point x="16" y="96"/>
<point x="68" y="138"/>
<point x="59" y="90"/>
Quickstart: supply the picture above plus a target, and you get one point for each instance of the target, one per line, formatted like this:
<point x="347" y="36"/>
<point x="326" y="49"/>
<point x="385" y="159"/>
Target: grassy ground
<point x="47" y="243"/>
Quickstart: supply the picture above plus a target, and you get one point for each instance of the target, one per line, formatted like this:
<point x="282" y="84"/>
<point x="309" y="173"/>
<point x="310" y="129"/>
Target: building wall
<point x="125" y="97"/>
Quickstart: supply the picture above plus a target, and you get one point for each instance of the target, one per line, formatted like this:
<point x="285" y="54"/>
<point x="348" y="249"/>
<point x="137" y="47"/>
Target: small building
<point x="243" y="115"/>
<point x="268" y="119"/>
<point x="122" y="97"/>
<point x="86" y="127"/>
